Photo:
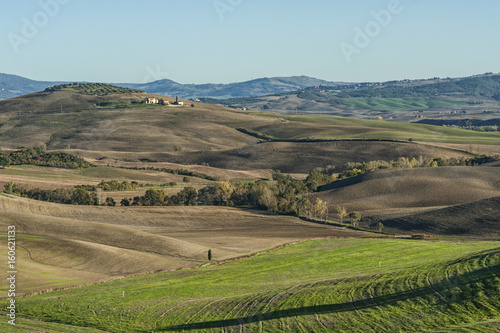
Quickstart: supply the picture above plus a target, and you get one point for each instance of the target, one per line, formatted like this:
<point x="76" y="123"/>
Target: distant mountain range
<point x="13" y="86"/>
<point x="453" y="99"/>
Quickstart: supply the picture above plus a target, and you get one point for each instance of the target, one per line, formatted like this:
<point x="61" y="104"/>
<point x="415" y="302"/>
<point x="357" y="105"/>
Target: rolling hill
<point x="118" y="126"/>
<point x="14" y="86"/>
<point x="382" y="194"/>
<point x="257" y="87"/>
<point x="406" y="100"/>
<point x="316" y="286"/>
<point x="474" y="219"/>
<point x="269" y="272"/>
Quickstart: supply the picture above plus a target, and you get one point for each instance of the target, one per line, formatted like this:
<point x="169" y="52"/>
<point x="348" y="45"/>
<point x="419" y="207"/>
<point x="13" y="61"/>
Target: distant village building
<point x="150" y="100"/>
<point x="177" y="101"/>
<point x="161" y="101"/>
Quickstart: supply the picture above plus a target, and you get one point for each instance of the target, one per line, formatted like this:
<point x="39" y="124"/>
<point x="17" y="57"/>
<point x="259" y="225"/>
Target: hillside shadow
<point x="391" y="299"/>
<point x="342" y="183"/>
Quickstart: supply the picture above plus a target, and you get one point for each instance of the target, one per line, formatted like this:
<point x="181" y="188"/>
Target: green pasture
<point x="350" y="128"/>
<point x="335" y="285"/>
<point x="392" y="104"/>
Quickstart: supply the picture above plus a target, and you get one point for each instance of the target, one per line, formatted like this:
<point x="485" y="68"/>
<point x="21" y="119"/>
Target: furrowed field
<point x="329" y="285"/>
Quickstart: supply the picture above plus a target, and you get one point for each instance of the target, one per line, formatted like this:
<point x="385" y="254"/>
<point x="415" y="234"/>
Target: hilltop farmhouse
<point x="161" y="101"/>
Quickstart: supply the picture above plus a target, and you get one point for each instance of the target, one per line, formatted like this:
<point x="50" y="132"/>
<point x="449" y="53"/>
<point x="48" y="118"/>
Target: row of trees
<point x="39" y="156"/>
<point x="75" y="196"/>
<point x="282" y="198"/>
<point x="183" y="172"/>
<point x="112" y="185"/>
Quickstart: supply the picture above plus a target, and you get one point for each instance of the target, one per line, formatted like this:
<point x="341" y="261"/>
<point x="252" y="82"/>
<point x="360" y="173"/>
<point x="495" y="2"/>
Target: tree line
<point x="40" y="157"/>
<point x="112" y="185"/>
<point x="183" y="172"/>
<point x="75" y="196"/>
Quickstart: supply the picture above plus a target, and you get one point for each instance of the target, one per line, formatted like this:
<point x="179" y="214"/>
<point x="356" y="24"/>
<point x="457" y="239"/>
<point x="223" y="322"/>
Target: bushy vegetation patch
<point x="112" y="185"/>
<point x="183" y="172"/>
<point x="40" y="157"/>
<point x="80" y="195"/>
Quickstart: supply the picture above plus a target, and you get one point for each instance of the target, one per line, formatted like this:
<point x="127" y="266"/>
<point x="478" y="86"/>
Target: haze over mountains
<point x="462" y="102"/>
<point x="13" y="86"/>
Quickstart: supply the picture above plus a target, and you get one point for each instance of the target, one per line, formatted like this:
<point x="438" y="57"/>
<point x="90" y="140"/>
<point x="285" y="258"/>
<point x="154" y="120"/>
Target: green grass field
<point x="350" y="128"/>
<point x="391" y="104"/>
<point x="336" y="285"/>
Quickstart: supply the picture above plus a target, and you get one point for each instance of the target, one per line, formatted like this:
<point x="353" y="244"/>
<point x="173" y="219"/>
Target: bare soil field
<point x="302" y="157"/>
<point x="475" y="219"/>
<point x="258" y="160"/>
<point x="471" y="148"/>
<point x="402" y="189"/>
<point x="70" y="245"/>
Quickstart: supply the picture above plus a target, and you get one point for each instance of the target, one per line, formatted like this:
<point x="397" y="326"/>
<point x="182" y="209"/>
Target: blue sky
<point x="222" y="41"/>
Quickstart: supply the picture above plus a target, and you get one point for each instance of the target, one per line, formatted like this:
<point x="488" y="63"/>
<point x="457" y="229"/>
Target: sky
<point x="223" y="41"/>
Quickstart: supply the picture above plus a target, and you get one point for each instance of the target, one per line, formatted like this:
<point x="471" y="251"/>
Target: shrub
<point x="179" y="148"/>
<point x="5" y="160"/>
<point x="110" y="202"/>
<point x="125" y="202"/>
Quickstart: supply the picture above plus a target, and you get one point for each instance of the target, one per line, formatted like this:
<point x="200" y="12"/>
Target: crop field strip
<point x="420" y="286"/>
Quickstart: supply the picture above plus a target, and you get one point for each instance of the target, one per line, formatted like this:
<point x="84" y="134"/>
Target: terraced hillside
<point x="349" y="285"/>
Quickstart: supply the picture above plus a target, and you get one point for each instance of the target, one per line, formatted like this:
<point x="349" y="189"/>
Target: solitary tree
<point x="355" y="217"/>
<point x="210" y="255"/>
<point x="341" y="213"/>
